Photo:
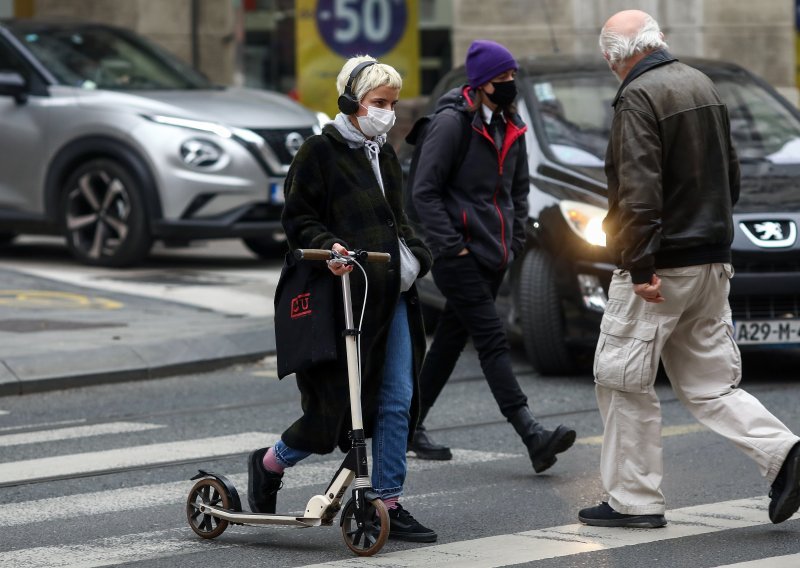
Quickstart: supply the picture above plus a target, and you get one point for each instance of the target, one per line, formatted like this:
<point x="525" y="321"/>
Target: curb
<point x="25" y="374"/>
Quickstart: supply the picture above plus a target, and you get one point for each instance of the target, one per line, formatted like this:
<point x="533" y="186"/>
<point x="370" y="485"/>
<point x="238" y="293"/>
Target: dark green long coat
<point x="332" y="195"/>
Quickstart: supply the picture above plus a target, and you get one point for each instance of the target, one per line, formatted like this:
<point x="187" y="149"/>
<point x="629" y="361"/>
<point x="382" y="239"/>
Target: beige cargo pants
<point x="692" y="334"/>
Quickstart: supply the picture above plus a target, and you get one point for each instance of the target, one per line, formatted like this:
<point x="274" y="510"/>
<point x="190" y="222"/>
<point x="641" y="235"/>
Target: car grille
<point x="276" y="138"/>
<point x="766" y="266"/>
<point x="765" y="307"/>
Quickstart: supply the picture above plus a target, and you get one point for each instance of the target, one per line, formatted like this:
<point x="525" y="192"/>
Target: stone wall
<point x="167" y="22"/>
<point x="757" y="35"/>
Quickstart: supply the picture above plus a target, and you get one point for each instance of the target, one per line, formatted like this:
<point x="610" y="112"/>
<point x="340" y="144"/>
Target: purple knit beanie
<point x="487" y="59"/>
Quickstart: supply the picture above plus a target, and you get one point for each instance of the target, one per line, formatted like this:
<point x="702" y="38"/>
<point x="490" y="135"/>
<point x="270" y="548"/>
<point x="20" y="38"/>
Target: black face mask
<point x="504" y="93"/>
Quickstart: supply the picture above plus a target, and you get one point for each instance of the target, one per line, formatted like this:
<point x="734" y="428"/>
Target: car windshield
<point x="575" y="114"/>
<point x="102" y="58"/>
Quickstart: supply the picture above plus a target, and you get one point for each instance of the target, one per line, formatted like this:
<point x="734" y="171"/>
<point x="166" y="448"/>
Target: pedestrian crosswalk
<point x="167" y="544"/>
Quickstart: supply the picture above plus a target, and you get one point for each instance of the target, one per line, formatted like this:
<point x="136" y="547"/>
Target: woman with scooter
<point x="344" y="191"/>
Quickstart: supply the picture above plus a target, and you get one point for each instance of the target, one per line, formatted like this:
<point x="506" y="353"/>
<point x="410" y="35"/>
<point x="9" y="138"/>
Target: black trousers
<point x="470" y="312"/>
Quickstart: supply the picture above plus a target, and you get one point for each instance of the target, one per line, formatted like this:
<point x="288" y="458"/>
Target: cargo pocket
<point x="623" y="360"/>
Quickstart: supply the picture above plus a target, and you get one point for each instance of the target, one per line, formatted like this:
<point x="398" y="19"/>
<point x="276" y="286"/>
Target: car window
<point x="762" y="128"/>
<point x="10" y="61"/>
<point x="574" y="115"/>
<point x="100" y="58"/>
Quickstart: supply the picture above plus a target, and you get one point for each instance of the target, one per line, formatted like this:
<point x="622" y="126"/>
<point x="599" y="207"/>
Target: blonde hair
<point x="370" y="78"/>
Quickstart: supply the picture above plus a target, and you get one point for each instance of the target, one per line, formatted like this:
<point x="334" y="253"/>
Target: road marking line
<point x="72" y="433"/>
<point x="789" y="561"/>
<point x="130" y="498"/>
<point x="666" y="432"/>
<point x="490" y="552"/>
<point x="218" y="298"/>
<point x="42" y="425"/>
<point x="152" y="454"/>
<point x="568" y="540"/>
<point x="112" y="551"/>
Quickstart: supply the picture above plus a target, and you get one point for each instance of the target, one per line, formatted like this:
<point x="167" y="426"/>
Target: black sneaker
<point x="425" y="448"/>
<point x="785" y="491"/>
<point x="262" y="485"/>
<point x="403" y="526"/>
<point x="604" y="516"/>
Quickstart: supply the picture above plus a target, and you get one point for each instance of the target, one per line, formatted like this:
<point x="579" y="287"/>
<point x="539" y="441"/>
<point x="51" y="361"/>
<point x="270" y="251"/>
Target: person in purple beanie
<point x="470" y="192"/>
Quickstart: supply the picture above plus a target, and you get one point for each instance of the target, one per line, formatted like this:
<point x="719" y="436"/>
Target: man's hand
<point x="650" y="292"/>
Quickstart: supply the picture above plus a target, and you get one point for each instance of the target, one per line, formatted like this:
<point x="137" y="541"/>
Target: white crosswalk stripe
<point x="73" y="433"/>
<point x="152" y="454"/>
<point x="169" y="544"/>
<point x="174" y="493"/>
<point x="566" y="540"/>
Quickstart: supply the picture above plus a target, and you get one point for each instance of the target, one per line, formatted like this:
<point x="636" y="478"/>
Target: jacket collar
<point x="655" y="59"/>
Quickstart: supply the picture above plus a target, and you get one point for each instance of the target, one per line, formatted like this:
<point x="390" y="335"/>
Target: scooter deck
<point x="245" y="518"/>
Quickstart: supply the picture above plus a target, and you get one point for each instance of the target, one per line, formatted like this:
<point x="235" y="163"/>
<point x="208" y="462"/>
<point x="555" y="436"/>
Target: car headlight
<point x="585" y="220"/>
<point x="200" y="153"/>
<point x="201" y="125"/>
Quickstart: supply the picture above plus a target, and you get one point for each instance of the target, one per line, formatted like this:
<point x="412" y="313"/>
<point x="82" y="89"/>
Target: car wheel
<point x="542" y="320"/>
<point x="103" y="215"/>
<point x="269" y="247"/>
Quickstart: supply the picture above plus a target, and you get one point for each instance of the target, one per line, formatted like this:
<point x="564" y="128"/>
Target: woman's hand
<point x="336" y="267"/>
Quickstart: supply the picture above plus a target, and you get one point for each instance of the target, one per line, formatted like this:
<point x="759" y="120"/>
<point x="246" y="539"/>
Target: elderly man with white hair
<point x="673" y="178"/>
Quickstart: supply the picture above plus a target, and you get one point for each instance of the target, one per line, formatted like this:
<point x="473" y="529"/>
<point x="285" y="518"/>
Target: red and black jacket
<point x="483" y="206"/>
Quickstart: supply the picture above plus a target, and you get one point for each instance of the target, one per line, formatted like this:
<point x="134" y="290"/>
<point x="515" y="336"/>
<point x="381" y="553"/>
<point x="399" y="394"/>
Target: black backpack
<point x="416" y="138"/>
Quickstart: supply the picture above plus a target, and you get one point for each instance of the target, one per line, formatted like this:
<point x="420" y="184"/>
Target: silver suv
<point x="114" y="143"/>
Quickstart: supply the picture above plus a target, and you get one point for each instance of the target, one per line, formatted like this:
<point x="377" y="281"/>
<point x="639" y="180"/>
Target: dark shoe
<point x="262" y="485"/>
<point x="604" y="516"/>
<point x="425" y="448"/>
<point x="543" y="445"/>
<point x="405" y="527"/>
<point x="785" y="492"/>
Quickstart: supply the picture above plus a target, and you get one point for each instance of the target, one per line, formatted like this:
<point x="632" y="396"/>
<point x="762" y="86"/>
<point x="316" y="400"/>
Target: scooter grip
<point x="381" y="257"/>
<point x="312" y="254"/>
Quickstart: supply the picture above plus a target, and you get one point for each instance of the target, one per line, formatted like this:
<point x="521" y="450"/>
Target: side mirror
<point x="13" y="85"/>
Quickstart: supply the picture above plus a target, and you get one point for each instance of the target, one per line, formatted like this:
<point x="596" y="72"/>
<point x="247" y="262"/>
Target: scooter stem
<point x="353" y="364"/>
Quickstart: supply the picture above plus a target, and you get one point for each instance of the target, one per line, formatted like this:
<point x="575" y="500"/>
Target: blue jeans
<point x="390" y="433"/>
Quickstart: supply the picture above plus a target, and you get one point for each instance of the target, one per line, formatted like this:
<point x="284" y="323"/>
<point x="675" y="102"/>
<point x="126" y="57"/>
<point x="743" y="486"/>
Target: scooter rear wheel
<point x="369" y="539"/>
<point x="207" y="491"/>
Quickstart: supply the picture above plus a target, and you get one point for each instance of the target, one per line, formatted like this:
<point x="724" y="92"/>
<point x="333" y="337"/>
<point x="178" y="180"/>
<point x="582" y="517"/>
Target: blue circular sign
<point x="361" y="27"/>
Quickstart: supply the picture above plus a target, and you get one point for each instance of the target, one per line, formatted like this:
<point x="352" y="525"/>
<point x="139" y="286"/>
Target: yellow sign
<point x="331" y="31"/>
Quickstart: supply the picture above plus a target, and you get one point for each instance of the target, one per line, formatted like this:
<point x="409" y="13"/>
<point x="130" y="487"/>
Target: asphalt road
<point x="98" y="476"/>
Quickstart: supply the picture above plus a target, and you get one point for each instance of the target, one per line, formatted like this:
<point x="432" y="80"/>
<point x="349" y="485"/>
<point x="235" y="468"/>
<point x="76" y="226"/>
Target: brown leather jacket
<point x="673" y="175"/>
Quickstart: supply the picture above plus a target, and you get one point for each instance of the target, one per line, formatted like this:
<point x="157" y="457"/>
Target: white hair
<point x="618" y="47"/>
<point x="369" y="78"/>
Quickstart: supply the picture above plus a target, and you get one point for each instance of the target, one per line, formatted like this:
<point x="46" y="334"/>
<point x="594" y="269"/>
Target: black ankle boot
<point x="423" y="445"/>
<point x="262" y="485"/>
<point x="543" y="445"/>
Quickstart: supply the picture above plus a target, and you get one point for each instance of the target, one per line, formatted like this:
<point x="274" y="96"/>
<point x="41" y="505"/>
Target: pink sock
<point x="391" y="502"/>
<point x="271" y="462"/>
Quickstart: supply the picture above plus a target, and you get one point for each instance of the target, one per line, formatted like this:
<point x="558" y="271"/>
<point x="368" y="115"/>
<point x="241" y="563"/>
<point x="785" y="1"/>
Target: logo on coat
<point x="770" y="234"/>
<point x="301" y="306"/>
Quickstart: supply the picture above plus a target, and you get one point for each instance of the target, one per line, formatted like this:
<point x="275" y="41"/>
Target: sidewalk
<point x="55" y="335"/>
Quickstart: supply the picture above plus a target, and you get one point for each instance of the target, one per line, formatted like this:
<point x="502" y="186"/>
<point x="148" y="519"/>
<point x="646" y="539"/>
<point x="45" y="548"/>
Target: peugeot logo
<point x="293" y="142"/>
<point x="770" y="234"/>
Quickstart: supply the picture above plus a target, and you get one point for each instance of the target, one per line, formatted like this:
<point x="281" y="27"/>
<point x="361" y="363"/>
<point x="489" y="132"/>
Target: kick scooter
<point x="214" y="503"/>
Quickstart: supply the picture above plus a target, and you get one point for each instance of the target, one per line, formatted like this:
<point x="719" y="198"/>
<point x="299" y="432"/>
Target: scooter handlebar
<point x="361" y="255"/>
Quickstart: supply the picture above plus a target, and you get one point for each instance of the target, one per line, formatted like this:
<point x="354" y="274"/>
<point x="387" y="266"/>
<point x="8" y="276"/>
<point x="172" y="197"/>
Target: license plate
<point x="763" y="332"/>
<point x="276" y="192"/>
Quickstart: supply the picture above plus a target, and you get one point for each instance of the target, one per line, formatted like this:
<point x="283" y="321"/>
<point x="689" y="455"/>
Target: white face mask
<point x="376" y="122"/>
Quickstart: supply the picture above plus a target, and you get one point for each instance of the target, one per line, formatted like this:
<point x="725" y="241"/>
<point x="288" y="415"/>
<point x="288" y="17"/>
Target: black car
<point x="555" y="294"/>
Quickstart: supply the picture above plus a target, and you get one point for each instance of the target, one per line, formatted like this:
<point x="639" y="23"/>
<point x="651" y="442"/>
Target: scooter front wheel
<point x="370" y="538"/>
<point x="207" y="491"/>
